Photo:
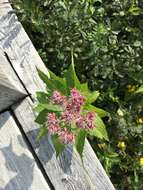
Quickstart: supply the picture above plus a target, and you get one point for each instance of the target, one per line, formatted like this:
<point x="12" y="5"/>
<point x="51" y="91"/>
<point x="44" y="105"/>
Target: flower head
<point x="75" y="93"/>
<point x="86" y="122"/>
<point x="140" y="120"/>
<point x="80" y="122"/>
<point x="52" y="122"/>
<point x="75" y="102"/>
<point x="89" y="119"/>
<point x="67" y="117"/>
<point x="52" y="119"/>
<point x="66" y="137"/>
<point x="121" y="145"/>
<point x="53" y="129"/>
<point x="131" y="88"/>
<point x="90" y="116"/>
<point x="71" y="113"/>
<point x="77" y="97"/>
<point x="57" y="98"/>
<point x="141" y="161"/>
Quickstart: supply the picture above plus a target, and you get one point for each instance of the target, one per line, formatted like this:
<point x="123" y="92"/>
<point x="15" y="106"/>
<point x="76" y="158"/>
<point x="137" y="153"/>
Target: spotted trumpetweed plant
<point x="66" y="113"/>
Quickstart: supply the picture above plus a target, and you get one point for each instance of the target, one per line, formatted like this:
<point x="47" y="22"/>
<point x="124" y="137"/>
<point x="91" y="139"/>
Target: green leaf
<point x="53" y="83"/>
<point x="113" y="155"/>
<point x="99" y="111"/>
<point x="38" y="108"/>
<point x="140" y="89"/>
<point x="60" y="83"/>
<point x="92" y="96"/>
<point x="60" y="86"/>
<point x="42" y="97"/>
<point x="59" y="147"/>
<point x="49" y="107"/>
<point x="80" y="141"/>
<point x="84" y="87"/>
<point x="71" y="78"/>
<point x="46" y="80"/>
<point x="43" y="131"/>
<point x="42" y="117"/>
<point x="100" y="129"/>
<point x="55" y="77"/>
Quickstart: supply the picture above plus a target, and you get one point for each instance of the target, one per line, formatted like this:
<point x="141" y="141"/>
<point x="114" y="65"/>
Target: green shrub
<point x="107" y="39"/>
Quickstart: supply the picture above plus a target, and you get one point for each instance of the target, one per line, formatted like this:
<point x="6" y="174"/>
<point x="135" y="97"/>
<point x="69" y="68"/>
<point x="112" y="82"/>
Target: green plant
<point x="66" y="113"/>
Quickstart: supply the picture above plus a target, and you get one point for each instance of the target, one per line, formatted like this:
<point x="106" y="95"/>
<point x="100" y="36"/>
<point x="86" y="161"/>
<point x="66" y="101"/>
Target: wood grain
<point x="11" y="89"/>
<point x="17" y="165"/>
<point x="24" y="57"/>
<point x="4" y="7"/>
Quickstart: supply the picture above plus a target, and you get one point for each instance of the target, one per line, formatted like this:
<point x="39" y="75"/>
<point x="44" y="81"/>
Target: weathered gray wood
<point x="4" y="7"/>
<point x="11" y="89"/>
<point x="14" y="41"/>
<point x="67" y="172"/>
<point x="18" y="170"/>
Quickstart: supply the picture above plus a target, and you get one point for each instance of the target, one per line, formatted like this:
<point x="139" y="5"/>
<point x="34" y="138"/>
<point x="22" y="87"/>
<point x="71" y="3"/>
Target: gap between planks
<point x="31" y="150"/>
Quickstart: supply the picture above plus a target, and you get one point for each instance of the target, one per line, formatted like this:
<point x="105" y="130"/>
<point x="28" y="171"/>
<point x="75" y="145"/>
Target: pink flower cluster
<point x="57" y="98"/>
<point x="53" y="124"/>
<point x="72" y="113"/>
<point x="65" y="136"/>
<point x="76" y="101"/>
<point x="86" y="122"/>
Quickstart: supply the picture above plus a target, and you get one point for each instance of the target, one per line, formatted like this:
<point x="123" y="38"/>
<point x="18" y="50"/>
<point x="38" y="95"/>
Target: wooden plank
<point x="11" y="89"/>
<point x="17" y="165"/>
<point x="4" y="7"/>
<point x="67" y="172"/>
<point x="22" y="54"/>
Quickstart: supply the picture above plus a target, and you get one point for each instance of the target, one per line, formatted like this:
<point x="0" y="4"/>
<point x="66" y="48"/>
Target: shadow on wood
<point x="19" y="171"/>
<point x="17" y="182"/>
<point x="46" y="150"/>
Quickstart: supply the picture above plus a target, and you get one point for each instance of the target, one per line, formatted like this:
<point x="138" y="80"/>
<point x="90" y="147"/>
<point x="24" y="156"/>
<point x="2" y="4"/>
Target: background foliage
<point x="107" y="39"/>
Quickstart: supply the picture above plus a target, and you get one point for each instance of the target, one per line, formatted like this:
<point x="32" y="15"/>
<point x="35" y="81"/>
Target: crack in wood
<point x="15" y="102"/>
<point x="9" y="61"/>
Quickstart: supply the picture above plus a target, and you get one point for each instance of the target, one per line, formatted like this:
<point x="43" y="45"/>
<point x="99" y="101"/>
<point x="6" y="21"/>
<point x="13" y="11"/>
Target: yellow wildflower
<point x="101" y="145"/>
<point x="141" y="161"/>
<point x="121" y="145"/>
<point x="131" y="88"/>
<point x="140" y="120"/>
